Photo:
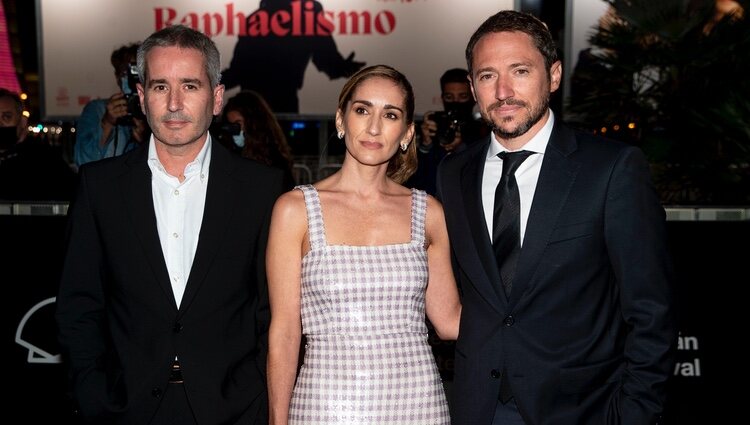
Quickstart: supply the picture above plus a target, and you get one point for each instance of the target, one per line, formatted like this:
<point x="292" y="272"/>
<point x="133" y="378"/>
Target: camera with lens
<point x="456" y="118"/>
<point x="448" y="123"/>
<point x="128" y="86"/>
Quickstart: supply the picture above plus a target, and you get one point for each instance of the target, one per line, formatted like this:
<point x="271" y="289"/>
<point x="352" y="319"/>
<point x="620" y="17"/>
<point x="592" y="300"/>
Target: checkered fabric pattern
<point x="367" y="360"/>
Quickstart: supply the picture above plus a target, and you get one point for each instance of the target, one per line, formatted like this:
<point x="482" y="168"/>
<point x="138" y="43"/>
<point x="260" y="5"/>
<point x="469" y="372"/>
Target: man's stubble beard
<point x="535" y="115"/>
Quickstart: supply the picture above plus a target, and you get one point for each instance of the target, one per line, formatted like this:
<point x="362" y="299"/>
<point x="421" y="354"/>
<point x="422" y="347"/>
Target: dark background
<point x="709" y="271"/>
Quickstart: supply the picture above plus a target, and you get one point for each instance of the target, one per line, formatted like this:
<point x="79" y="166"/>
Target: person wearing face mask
<point x="12" y="121"/>
<point x="446" y="131"/>
<point x="30" y="169"/>
<point x="256" y="134"/>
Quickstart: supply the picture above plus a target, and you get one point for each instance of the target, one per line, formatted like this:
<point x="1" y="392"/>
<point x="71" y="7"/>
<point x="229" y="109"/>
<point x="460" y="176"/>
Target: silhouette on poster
<point x="280" y="39"/>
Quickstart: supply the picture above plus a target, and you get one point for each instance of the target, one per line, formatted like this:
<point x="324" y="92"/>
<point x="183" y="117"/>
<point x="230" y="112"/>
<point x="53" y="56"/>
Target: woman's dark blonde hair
<point x="403" y="164"/>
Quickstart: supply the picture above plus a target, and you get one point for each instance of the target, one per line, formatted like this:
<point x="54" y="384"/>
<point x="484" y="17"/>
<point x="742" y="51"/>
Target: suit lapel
<point x="476" y="256"/>
<point x="139" y="202"/>
<point x="555" y="181"/>
<point x="219" y="204"/>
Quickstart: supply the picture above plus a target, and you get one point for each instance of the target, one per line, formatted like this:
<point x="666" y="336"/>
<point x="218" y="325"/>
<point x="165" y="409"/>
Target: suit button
<point x="495" y="373"/>
<point x="177" y="327"/>
<point x="156" y="392"/>
<point x="509" y="321"/>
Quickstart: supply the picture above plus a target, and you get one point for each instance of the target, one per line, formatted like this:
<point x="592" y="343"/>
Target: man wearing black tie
<point x="559" y="247"/>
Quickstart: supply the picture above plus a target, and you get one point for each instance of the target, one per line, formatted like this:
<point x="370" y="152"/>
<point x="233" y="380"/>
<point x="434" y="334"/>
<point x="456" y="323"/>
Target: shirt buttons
<point x="175" y="235"/>
<point x="176" y="192"/>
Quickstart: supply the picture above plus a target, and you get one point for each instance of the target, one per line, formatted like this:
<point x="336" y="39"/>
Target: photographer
<point x="110" y="127"/>
<point x="443" y="132"/>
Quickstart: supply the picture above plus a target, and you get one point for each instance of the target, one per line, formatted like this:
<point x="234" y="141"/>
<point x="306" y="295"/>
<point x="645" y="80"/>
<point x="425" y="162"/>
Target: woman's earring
<point x="340" y="134"/>
<point x="404" y="146"/>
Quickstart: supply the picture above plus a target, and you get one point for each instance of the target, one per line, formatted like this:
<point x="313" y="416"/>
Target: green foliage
<point x="684" y="84"/>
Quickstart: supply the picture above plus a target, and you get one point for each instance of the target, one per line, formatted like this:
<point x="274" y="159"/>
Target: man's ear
<point x="471" y="86"/>
<point x="141" y="95"/>
<point x="555" y="73"/>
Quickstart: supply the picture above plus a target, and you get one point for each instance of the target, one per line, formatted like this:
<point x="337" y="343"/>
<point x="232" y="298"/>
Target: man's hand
<point x="456" y="140"/>
<point x="117" y="107"/>
<point x="351" y="66"/>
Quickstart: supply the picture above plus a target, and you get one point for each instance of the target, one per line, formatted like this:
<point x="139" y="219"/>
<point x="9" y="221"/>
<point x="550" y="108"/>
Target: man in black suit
<point x="567" y="306"/>
<point x="162" y="307"/>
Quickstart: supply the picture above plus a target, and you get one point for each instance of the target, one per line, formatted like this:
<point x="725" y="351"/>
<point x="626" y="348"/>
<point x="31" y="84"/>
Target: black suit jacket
<point x="119" y="324"/>
<point x="587" y="335"/>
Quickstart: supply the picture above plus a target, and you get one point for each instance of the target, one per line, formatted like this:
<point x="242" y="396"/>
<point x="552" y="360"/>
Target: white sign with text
<point x="421" y="38"/>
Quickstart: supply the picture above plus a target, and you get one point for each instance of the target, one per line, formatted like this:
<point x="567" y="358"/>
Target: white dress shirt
<point x="179" y="213"/>
<point x="527" y="174"/>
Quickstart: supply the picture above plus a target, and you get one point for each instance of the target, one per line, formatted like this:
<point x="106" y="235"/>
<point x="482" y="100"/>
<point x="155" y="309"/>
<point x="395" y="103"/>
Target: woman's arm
<point x="442" y="302"/>
<point x="284" y="265"/>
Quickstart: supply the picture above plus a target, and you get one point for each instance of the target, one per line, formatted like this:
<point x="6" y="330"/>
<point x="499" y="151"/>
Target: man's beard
<point x="534" y="116"/>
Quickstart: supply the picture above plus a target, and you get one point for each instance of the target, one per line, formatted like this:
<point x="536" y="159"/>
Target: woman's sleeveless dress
<point x="367" y="360"/>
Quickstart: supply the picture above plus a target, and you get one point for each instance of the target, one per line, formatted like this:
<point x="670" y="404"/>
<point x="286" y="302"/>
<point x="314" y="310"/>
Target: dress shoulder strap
<point x="418" y="215"/>
<point x="315" y="228"/>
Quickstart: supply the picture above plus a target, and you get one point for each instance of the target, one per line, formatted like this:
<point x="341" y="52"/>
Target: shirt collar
<point x="537" y="144"/>
<point x="199" y="165"/>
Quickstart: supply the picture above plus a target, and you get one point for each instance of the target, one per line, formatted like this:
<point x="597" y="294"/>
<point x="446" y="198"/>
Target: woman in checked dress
<point x="354" y="263"/>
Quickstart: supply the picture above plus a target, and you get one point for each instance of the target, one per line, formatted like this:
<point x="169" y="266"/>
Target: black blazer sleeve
<point x="80" y="313"/>
<point x="636" y="242"/>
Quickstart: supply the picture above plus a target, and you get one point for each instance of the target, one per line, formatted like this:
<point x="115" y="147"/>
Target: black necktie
<point x="506" y="220"/>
